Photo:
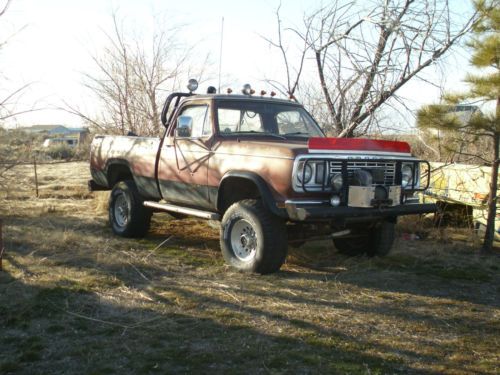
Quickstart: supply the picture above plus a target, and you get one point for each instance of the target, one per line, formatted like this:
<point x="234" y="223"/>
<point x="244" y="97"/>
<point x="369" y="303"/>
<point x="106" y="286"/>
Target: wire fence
<point x="16" y="163"/>
<point x="35" y="163"/>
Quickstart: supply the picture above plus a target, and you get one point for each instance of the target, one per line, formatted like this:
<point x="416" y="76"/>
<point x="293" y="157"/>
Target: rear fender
<point x="118" y="170"/>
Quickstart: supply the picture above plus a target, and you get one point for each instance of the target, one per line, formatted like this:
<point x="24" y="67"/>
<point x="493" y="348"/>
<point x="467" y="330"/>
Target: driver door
<point x="183" y="164"/>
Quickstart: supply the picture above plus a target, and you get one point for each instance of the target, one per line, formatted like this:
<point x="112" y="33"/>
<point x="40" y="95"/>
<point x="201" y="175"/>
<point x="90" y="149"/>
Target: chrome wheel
<point x="243" y="240"/>
<point x="251" y="238"/>
<point x="121" y="210"/>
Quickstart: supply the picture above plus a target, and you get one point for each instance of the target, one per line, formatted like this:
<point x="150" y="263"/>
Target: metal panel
<point x="361" y="196"/>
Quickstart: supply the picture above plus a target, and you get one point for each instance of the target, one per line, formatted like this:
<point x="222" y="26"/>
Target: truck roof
<point x="259" y="98"/>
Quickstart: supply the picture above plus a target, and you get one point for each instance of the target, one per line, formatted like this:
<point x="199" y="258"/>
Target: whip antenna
<point x="220" y="52"/>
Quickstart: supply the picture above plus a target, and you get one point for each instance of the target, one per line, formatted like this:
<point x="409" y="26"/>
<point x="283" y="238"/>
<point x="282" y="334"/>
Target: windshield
<point x="247" y="117"/>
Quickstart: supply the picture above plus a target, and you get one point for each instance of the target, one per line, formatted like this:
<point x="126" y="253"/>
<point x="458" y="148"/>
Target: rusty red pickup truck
<point x="262" y="167"/>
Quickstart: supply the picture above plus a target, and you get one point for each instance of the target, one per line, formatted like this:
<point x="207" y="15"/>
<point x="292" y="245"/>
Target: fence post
<point x="1" y="246"/>
<point x="36" y="176"/>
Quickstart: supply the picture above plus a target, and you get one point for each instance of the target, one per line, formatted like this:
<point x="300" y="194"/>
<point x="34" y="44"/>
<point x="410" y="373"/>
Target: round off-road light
<point x="192" y="85"/>
<point x="381" y="192"/>
<point x="361" y="177"/>
<point x="335" y="200"/>
<point x="337" y="181"/>
<point x="407" y="175"/>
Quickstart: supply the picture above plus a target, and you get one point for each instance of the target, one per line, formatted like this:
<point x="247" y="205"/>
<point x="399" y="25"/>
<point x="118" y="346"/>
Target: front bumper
<point x="298" y="212"/>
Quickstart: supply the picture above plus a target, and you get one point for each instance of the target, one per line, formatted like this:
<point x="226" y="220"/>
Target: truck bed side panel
<point x="138" y="154"/>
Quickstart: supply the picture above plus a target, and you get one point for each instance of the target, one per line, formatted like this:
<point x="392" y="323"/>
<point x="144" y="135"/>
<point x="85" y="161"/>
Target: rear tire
<point x="383" y="239"/>
<point x="252" y="239"/>
<point x="377" y="241"/>
<point x="127" y="215"/>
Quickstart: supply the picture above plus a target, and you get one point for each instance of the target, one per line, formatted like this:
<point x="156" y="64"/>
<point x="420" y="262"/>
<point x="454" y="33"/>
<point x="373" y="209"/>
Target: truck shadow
<point x="463" y="278"/>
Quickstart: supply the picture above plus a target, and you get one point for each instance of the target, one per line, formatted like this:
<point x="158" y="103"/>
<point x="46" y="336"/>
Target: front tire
<point x="377" y="241"/>
<point x="252" y="239"/>
<point x="127" y="215"/>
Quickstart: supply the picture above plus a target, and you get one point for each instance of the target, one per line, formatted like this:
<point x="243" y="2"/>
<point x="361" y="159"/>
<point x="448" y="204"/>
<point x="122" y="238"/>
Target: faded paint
<point x="188" y="169"/>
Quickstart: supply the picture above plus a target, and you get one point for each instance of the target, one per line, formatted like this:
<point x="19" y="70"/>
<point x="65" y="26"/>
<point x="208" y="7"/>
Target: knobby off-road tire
<point x="127" y="215"/>
<point x="252" y="239"/>
<point x="377" y="242"/>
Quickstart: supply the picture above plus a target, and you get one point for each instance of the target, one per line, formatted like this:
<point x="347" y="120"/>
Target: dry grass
<point x="76" y="299"/>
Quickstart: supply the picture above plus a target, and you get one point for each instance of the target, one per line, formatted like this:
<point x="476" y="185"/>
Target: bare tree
<point x="293" y="74"/>
<point x="13" y="146"/>
<point x="9" y="98"/>
<point x="363" y="54"/>
<point x="131" y="73"/>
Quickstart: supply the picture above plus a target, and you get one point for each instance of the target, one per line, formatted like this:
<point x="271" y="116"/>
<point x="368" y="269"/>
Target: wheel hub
<point x="121" y="210"/>
<point x="243" y="240"/>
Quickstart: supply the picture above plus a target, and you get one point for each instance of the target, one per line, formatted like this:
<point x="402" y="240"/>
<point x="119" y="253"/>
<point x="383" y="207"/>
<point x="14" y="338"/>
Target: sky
<point x="50" y="44"/>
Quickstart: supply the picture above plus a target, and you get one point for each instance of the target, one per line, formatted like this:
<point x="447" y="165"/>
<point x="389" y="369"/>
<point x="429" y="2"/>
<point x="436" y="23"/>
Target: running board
<point x="182" y="210"/>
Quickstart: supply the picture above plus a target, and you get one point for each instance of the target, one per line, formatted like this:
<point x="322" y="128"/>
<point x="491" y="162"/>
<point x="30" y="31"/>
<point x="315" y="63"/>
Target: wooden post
<point x="36" y="176"/>
<point x="1" y="246"/>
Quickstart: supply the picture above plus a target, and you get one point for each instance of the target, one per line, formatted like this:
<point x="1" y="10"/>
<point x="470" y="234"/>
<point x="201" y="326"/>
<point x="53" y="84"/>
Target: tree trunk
<point x="492" y="198"/>
<point x="326" y="93"/>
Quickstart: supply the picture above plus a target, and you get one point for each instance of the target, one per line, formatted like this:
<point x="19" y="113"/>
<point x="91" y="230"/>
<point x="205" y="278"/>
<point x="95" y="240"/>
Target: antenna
<point x="220" y="52"/>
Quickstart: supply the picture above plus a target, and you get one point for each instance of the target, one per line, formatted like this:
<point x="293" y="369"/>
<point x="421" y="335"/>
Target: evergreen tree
<point x="484" y="86"/>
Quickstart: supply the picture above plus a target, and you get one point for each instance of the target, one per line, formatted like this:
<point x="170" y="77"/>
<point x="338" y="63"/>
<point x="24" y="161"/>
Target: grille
<point x="384" y="173"/>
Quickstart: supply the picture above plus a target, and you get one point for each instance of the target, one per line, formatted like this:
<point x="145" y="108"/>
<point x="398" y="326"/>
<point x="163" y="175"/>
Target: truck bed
<point x="138" y="153"/>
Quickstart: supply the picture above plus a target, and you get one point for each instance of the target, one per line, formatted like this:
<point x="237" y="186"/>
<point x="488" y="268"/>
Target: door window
<point x="201" y="120"/>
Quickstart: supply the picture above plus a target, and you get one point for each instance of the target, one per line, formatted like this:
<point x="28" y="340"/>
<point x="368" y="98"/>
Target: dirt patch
<point x="76" y="299"/>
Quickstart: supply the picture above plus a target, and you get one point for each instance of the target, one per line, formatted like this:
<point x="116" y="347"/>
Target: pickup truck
<point x="262" y="167"/>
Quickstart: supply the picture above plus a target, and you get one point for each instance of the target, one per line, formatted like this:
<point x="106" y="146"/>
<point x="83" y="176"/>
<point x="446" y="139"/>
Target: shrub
<point x="60" y="151"/>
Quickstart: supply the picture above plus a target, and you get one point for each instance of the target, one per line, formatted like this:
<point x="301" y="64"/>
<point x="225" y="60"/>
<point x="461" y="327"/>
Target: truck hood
<point x="262" y="147"/>
<point x="289" y="149"/>
<point x="358" y="145"/>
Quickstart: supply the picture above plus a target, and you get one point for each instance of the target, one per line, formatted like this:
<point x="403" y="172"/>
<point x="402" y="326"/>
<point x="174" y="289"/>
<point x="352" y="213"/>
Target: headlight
<point x="407" y="175"/>
<point x="306" y="173"/>
<point x="337" y="181"/>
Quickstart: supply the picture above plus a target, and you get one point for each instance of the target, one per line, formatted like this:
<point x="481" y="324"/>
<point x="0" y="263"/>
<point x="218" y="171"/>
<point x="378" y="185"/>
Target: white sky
<point x="59" y="36"/>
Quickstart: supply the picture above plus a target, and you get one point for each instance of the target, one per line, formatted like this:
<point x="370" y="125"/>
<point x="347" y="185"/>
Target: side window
<point x="201" y="120"/>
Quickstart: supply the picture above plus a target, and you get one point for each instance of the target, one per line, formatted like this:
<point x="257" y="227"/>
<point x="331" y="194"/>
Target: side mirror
<point x="184" y="126"/>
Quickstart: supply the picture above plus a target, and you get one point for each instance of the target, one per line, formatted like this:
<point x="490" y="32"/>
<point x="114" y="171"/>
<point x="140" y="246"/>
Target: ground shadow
<point x="203" y="332"/>
<point x="63" y="329"/>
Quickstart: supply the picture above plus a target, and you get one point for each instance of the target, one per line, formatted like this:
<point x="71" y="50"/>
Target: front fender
<point x="263" y="188"/>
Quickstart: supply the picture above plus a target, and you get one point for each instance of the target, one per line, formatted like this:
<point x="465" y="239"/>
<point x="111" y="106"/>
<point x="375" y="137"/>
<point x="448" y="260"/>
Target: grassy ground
<point x="75" y="299"/>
